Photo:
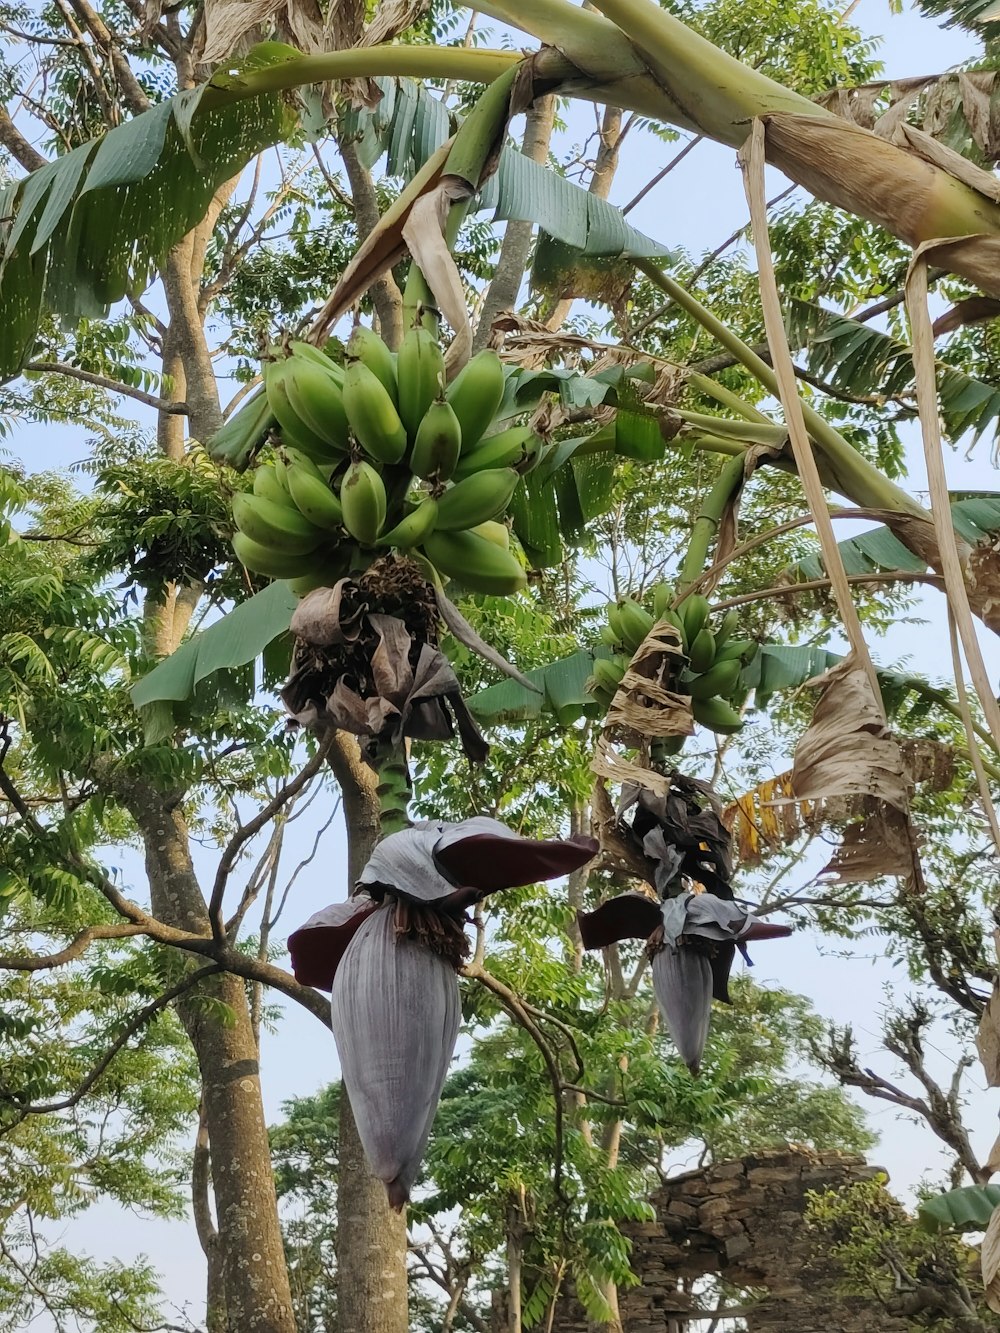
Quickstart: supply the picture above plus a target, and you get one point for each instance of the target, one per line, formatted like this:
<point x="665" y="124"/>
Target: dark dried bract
<point x="366" y="661"/>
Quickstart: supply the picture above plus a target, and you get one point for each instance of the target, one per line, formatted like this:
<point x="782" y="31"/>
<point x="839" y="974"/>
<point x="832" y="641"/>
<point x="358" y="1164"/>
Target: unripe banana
<point x="438" y="442"/>
<point x="290" y="457"/>
<point x="663" y="595"/>
<point x="268" y="485"/>
<point x="420" y="378"/>
<point x="510" y="448"/>
<point x="315" y="394"/>
<point x="607" y="673"/>
<point x="414" y="528"/>
<point x="475" y="393"/>
<point x="372" y="414"/>
<point x="265" y="560"/>
<point x="743" y="650"/>
<point x="244" y="432"/>
<point x="664" y="747"/>
<point x="672" y="618"/>
<point x="492" y="531"/>
<point x="702" y="651"/>
<point x="476" y="499"/>
<point x="636" y="622"/>
<point x="363" y="500"/>
<point x="717" y="715"/>
<point x="318" y="357"/>
<point x="615" y="621"/>
<point x="366" y="346"/>
<point x="313" y="499"/>
<point x="721" y="680"/>
<point x="727" y="626"/>
<point x="279" y="527"/>
<point x="609" y="637"/>
<point x="694" y="612"/>
<point x="477" y="563"/>
<point x="294" y="430"/>
<point x="325" y="575"/>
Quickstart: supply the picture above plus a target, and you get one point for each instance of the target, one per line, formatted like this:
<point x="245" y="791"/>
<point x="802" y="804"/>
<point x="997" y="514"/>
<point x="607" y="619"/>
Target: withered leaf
<point x="990" y="1262"/>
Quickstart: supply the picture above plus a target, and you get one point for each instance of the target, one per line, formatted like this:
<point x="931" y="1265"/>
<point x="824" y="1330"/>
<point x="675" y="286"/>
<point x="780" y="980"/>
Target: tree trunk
<point x="255" y="1277"/>
<point x="371" y="1239"/>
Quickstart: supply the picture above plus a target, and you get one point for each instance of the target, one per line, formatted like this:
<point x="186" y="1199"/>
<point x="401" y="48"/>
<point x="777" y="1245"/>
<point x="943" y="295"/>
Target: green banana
<point x="694" y="612"/>
<point x="324" y="576"/>
<point x="664" y="747"/>
<point x="363" y="500"/>
<point x="265" y="560"/>
<point x="437" y="443"/>
<point x="476" y="499"/>
<point x="244" y="432"/>
<point x="492" y="531"/>
<point x="510" y="448"/>
<point x="313" y="498"/>
<point x="608" y="637"/>
<point x="279" y="527"/>
<point x="717" y="715"/>
<point x="366" y="346"/>
<point x="701" y="653"/>
<point x="727" y="626"/>
<point x="420" y="376"/>
<point x="414" y="528"/>
<point x="318" y="357"/>
<point x="315" y="394"/>
<point x="477" y="563"/>
<point x="663" y="595"/>
<point x="268" y="485"/>
<point x="372" y="414"/>
<point x="294" y="430"/>
<point x="475" y="393"/>
<point x="607" y="673"/>
<point x="615" y="621"/>
<point x="743" y="650"/>
<point x="672" y="618"/>
<point x="636" y="623"/>
<point x="720" y="679"/>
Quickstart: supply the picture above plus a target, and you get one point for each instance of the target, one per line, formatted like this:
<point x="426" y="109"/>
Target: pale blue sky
<point x="698" y="205"/>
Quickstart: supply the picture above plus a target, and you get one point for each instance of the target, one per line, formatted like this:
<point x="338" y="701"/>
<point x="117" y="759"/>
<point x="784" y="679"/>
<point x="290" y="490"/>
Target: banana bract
<point x="395" y="1007"/>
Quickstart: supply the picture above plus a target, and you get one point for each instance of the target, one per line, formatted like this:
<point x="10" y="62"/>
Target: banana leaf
<point x="966" y="1209"/>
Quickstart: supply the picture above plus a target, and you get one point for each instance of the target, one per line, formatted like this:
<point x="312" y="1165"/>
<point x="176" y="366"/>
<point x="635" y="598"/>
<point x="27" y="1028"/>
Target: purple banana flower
<point x="693" y="939"/>
<point x="390" y="956"/>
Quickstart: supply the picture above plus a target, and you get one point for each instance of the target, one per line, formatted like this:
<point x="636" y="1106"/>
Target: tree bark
<point x="371" y="1239"/>
<point x="257" y="1293"/>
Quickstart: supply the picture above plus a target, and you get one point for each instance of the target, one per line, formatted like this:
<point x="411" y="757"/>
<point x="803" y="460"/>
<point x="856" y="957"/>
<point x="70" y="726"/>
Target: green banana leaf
<point x="966" y="1209"/>
<point x="234" y="641"/>
<point x="974" y="517"/>
<point x="562" y="696"/>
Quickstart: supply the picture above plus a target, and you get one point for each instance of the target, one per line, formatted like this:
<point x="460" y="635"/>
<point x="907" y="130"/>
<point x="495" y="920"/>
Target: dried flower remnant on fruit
<point x="390" y="955"/>
<point x="366" y="661"/>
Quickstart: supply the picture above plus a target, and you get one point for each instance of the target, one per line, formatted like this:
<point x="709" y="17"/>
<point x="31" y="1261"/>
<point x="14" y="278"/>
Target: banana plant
<point x="154" y="175"/>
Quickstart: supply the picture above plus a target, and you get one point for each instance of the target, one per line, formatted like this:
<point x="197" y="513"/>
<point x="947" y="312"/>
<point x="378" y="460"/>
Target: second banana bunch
<point x="378" y="454"/>
<point x="714" y="658"/>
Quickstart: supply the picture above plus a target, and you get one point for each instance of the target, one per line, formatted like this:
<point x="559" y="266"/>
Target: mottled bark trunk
<point x="371" y="1239"/>
<point x="208" y="1232"/>
<point x="257" y="1295"/>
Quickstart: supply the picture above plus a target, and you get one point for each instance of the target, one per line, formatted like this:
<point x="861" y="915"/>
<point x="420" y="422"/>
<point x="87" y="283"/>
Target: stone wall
<point x="743" y="1220"/>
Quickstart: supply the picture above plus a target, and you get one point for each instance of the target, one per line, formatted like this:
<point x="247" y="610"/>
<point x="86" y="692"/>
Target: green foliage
<point x="966" y="1209"/>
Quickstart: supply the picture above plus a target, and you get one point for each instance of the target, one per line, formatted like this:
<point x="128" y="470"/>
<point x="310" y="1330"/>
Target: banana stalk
<point x="394" y="789"/>
<point x="706" y="525"/>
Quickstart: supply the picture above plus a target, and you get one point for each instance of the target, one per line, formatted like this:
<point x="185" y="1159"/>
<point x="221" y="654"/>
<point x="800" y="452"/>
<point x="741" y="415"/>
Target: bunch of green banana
<point x="715" y="660"/>
<point x="290" y="526"/>
<point x="384" y="454"/>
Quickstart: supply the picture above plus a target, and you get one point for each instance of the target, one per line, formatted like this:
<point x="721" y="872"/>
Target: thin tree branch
<point x="253" y="826"/>
<point x="103" y="382"/>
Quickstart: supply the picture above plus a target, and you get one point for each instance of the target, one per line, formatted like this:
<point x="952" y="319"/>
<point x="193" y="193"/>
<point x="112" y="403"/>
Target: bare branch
<point x="253" y="826"/>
